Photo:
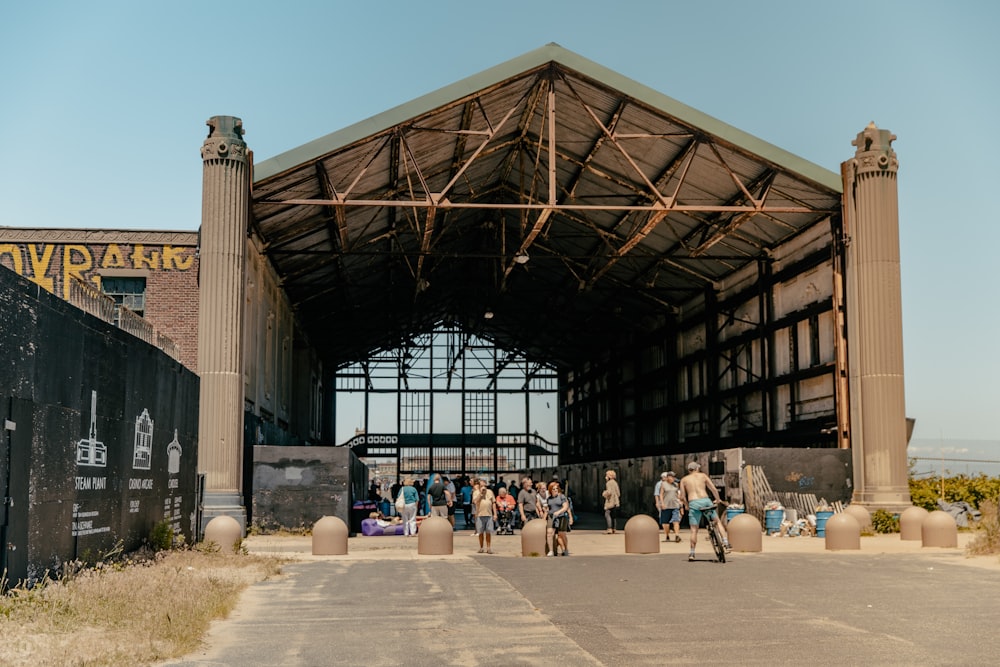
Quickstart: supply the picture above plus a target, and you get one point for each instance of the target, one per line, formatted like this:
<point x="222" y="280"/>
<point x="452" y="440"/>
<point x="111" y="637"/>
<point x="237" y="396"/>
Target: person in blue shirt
<point x="466" y="492"/>
<point x="410" y="499"/>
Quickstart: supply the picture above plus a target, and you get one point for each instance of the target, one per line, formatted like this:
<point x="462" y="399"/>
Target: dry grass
<point x="130" y="616"/>
<point x="987" y="539"/>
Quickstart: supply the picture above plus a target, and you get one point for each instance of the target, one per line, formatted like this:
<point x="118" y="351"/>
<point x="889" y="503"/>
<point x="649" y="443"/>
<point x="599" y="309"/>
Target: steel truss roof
<point x="548" y="203"/>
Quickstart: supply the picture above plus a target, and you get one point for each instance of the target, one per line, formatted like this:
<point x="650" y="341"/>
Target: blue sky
<point x="102" y="110"/>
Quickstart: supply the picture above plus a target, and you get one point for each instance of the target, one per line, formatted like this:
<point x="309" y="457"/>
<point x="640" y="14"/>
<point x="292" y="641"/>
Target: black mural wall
<point x="100" y="435"/>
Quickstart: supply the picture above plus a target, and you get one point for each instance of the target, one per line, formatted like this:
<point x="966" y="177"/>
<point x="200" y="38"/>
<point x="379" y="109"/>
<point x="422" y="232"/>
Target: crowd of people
<point x="498" y="507"/>
<point x="487" y="508"/>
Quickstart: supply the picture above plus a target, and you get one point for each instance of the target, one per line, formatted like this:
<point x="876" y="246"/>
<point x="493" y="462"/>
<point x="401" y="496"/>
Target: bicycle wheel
<point x="716" y="539"/>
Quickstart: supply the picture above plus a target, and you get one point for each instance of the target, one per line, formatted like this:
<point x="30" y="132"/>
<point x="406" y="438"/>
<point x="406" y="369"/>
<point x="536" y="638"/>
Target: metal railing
<point x="101" y="306"/>
<point x="91" y="300"/>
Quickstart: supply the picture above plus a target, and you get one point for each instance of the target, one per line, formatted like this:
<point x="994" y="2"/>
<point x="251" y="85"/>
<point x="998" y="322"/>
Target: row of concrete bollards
<point x="642" y="533"/>
<point x="933" y="529"/>
<point x="843" y="530"/>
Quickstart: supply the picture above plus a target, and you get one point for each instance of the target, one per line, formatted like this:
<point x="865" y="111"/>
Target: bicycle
<point x="712" y="529"/>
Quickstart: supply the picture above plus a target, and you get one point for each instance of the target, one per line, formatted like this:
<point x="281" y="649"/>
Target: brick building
<point x="153" y="273"/>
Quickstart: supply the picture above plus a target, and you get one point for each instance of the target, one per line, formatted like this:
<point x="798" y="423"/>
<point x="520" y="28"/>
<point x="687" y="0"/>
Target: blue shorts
<point x="670" y="516"/>
<point x="696" y="507"/>
<point x="484" y="524"/>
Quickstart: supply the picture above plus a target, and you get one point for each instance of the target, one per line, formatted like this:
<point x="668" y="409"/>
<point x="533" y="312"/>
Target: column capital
<point x="225" y="140"/>
<point x="874" y="152"/>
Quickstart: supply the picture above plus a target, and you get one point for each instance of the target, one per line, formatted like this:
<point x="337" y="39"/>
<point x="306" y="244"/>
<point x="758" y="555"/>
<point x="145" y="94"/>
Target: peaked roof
<point x="550" y="53"/>
<point x="547" y="202"/>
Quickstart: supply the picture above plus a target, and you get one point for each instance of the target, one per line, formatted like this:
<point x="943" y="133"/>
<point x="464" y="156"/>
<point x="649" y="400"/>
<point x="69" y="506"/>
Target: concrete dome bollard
<point x="863" y="516"/>
<point x="843" y="532"/>
<point x="224" y="531"/>
<point x="329" y="537"/>
<point x="745" y="533"/>
<point x="939" y="530"/>
<point x="435" y="537"/>
<point x="533" y="538"/>
<point x="642" y="535"/>
<point x="910" y="522"/>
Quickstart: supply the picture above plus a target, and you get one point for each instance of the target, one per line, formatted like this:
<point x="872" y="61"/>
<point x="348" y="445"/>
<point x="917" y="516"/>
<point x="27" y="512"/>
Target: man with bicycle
<point x="696" y="487"/>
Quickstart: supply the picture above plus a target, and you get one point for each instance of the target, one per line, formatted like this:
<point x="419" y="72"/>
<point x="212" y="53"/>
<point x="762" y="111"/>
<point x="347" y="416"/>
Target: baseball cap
<point x="666" y="474"/>
<point x="670" y="473"/>
<point x="694" y="465"/>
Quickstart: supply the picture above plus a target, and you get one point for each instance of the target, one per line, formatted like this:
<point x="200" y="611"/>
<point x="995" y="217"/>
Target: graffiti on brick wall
<point x="52" y="265"/>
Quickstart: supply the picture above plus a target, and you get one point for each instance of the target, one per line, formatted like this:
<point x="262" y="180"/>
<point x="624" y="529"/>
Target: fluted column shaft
<point x="224" y="217"/>
<point x="875" y="322"/>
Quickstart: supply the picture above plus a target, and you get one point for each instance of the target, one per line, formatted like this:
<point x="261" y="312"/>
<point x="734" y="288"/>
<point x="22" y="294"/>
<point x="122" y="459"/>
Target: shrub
<point x="884" y="522"/>
<point x="987" y="539"/>
<point x="162" y="536"/>
<point x="973" y="490"/>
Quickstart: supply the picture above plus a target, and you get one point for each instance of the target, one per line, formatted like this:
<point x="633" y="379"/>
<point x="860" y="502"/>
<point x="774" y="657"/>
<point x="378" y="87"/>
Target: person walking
<point x="486" y="514"/>
<point x="670" y="506"/>
<point x="409" y="513"/>
<point x="465" y="493"/>
<point x="449" y="486"/>
<point x="612" y="500"/>
<point x="394" y="493"/>
<point x="527" y="502"/>
<point x="558" y="520"/>
<point x="437" y="497"/>
<point x="696" y="487"/>
<point x="656" y="497"/>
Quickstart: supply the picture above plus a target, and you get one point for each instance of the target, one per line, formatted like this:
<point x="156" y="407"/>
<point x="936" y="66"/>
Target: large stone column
<point x="224" y="218"/>
<point x="875" y="323"/>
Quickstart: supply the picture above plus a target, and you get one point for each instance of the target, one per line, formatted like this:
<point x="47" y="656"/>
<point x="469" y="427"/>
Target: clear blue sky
<point x="102" y="111"/>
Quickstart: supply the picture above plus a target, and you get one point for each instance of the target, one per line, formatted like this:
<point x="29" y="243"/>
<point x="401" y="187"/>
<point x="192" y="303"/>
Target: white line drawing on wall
<point x="174" y="456"/>
<point x="142" y="453"/>
<point x="89" y="451"/>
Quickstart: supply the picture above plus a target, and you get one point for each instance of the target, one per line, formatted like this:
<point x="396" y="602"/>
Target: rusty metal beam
<point x="685" y="158"/>
<point x="762" y="182"/>
<point x="544" y="216"/>
<point x="535" y="96"/>
<point x="621" y="149"/>
<point x="425" y="248"/>
<point x="448" y="204"/>
<point x="462" y="138"/>
<point x="584" y="165"/>
<point x="486" y="140"/>
<point x="338" y="234"/>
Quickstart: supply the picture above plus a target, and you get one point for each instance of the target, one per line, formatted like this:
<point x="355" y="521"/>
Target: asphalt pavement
<point x="793" y="603"/>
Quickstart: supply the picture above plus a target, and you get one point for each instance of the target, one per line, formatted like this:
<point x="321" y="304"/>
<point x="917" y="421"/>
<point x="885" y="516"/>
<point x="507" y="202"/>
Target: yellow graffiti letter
<point x="40" y="265"/>
<point x="139" y="258"/>
<point x="113" y="258"/>
<point x="15" y="257"/>
<point x="72" y="268"/>
<point x="175" y="256"/>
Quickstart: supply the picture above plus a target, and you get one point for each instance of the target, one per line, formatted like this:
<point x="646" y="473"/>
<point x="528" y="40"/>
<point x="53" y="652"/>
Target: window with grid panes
<point x="126" y="291"/>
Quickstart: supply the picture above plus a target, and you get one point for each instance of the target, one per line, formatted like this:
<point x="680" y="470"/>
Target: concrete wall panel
<point x="293" y="487"/>
<point x="83" y="482"/>
<point x="823" y="472"/>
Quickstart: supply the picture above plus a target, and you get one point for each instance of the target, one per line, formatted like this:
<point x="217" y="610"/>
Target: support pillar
<point x="224" y="219"/>
<point x="875" y="323"/>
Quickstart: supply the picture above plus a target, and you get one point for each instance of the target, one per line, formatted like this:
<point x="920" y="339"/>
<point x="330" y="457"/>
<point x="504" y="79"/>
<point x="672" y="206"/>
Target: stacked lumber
<point x="757" y="492"/>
